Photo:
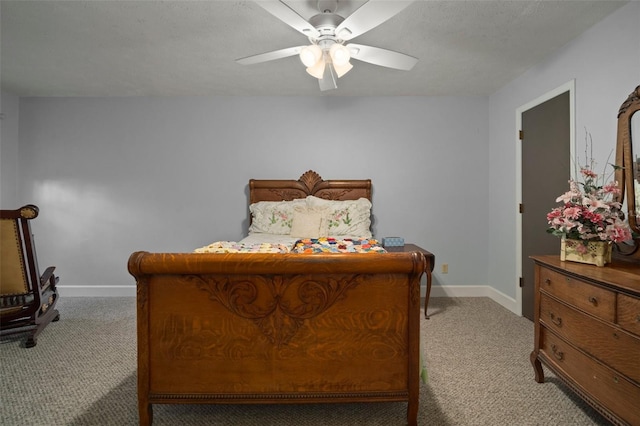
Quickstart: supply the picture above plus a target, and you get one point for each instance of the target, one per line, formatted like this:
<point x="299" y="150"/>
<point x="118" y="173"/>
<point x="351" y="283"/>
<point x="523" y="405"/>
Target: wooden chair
<point x="27" y="299"/>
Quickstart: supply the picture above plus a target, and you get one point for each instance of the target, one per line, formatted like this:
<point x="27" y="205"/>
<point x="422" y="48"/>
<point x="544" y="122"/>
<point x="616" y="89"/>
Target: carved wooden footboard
<point x="277" y="328"/>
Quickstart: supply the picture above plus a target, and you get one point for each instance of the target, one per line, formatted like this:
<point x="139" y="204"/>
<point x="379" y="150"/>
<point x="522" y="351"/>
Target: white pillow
<point x="348" y="217"/>
<point x="309" y="223"/>
<point x="273" y="217"/>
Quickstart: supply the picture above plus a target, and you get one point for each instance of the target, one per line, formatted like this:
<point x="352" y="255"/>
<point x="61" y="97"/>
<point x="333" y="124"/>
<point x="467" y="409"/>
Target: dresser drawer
<point x="609" y="344"/>
<point x="595" y="300"/>
<point x="629" y="313"/>
<point x="602" y="383"/>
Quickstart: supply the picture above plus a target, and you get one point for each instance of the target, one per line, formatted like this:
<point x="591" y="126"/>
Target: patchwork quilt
<point x="305" y="245"/>
<point x="333" y="245"/>
<point x="236" y="247"/>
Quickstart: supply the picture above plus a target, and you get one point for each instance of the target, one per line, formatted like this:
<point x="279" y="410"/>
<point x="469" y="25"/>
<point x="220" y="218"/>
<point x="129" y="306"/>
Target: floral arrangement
<point x="588" y="211"/>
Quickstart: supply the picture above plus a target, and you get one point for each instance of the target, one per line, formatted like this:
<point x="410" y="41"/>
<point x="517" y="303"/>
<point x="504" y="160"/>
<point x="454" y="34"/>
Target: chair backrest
<point x="18" y="268"/>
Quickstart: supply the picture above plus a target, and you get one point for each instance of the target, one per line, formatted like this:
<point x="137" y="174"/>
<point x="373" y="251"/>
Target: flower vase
<point x="593" y="252"/>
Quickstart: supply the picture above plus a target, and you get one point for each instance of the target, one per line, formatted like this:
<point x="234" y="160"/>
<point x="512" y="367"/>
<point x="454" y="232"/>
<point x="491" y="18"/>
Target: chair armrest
<point x="48" y="279"/>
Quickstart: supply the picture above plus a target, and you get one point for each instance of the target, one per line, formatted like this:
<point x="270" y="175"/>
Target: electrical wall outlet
<point x="445" y="268"/>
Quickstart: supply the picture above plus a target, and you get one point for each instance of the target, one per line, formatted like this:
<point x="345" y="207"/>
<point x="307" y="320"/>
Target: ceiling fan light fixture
<point x="317" y="70"/>
<point x="342" y="69"/>
<point x="344" y="34"/>
<point x="340" y="55"/>
<point x="329" y="51"/>
<point x="310" y="55"/>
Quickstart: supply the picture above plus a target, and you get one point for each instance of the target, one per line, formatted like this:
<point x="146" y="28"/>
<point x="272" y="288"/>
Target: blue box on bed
<point x="392" y="241"/>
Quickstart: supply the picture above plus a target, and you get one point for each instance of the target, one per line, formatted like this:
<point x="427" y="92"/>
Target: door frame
<point x="570" y="87"/>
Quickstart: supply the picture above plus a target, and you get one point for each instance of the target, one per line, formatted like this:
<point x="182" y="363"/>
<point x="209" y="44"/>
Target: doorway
<point x="546" y="142"/>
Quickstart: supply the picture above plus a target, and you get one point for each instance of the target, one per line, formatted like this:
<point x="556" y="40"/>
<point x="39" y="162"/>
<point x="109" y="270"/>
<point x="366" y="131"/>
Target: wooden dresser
<point x="587" y="331"/>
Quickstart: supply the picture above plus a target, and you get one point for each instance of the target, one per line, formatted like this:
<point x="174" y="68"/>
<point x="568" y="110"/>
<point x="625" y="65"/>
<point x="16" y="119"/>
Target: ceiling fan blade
<point x="382" y="57"/>
<point x="288" y="16"/>
<point x="328" y="81"/>
<point x="270" y="56"/>
<point x="368" y="16"/>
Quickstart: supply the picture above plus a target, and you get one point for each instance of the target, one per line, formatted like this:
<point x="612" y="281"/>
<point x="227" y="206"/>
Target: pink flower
<point x="572" y="212"/>
<point x="617" y="233"/>
<point x="588" y="173"/>
<point x="593" y="217"/>
<point x="611" y="188"/>
<point x="596" y="203"/>
<point x="565" y="225"/>
<point x="553" y="214"/>
<point x="588" y="211"/>
<point x="567" y="197"/>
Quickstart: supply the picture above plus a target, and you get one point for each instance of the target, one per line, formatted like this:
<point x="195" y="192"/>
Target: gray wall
<point x="605" y="64"/>
<point x="9" y="110"/>
<point x="112" y="176"/>
<point x="117" y="175"/>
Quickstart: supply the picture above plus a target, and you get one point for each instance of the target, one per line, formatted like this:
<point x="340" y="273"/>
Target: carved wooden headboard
<point x="310" y="183"/>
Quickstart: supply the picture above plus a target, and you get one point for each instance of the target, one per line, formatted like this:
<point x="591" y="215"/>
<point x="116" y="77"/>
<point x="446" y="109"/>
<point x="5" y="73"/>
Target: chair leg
<point x="50" y="316"/>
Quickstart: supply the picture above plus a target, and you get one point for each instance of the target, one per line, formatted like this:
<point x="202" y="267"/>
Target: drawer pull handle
<point x="556" y="320"/>
<point x="547" y="281"/>
<point x="615" y="379"/>
<point x="593" y="301"/>
<point x="556" y="353"/>
<point x="638" y="318"/>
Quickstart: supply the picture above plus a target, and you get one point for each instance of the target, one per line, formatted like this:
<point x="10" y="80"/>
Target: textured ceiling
<point x="187" y="48"/>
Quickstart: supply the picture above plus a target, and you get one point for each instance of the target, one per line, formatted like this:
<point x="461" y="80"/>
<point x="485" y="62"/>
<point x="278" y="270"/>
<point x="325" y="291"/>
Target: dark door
<point x="546" y="169"/>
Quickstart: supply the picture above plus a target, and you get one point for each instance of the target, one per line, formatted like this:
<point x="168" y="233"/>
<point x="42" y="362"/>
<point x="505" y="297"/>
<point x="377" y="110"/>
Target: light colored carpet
<point x="83" y="372"/>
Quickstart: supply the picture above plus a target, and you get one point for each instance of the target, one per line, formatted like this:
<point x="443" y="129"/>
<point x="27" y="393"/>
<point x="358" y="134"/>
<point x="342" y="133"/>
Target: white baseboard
<point x="508" y="302"/>
<point x="97" y="290"/>
<point x="436" y="291"/>
<point x="477" y="291"/>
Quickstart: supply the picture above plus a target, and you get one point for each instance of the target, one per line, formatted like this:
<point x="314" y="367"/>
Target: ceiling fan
<point x="327" y="57"/>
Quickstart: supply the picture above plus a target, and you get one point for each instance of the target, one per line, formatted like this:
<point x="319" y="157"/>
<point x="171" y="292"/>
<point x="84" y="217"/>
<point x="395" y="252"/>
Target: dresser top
<point x="622" y="275"/>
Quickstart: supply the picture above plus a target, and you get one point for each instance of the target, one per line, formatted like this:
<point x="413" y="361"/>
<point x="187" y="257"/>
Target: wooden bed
<point x="279" y="328"/>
